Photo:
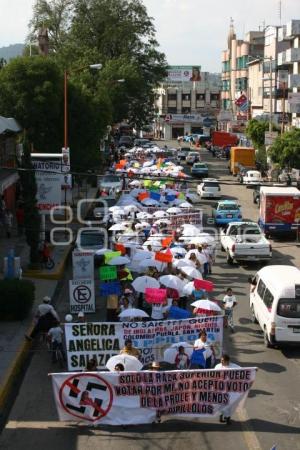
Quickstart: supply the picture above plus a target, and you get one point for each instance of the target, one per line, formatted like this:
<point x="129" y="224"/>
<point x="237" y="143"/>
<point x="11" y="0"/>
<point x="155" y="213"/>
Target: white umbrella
<point x="189" y="288"/>
<point x="206" y="305"/>
<point x="203" y="239"/>
<point x="144" y="215"/>
<point x="191" y="272"/>
<point x="148" y="164"/>
<point x="171" y="192"/>
<point x="179" y="263"/>
<point x="171" y="281"/>
<point x="160" y="214"/>
<point x="135" y="183"/>
<point x="145" y="264"/>
<point x="174" y="210"/>
<point x="119" y="261"/>
<point x="163" y="222"/>
<point x="185" y="205"/>
<point x="142" y="254"/>
<point x="155" y="245"/>
<point x="145" y="224"/>
<point x="130" y="363"/>
<point x="178" y="251"/>
<point x="118" y="227"/>
<point x="114" y="208"/>
<point x="132" y="313"/>
<point x="131" y="208"/>
<point x="102" y="251"/>
<point x="171" y="352"/>
<point x="140" y="284"/>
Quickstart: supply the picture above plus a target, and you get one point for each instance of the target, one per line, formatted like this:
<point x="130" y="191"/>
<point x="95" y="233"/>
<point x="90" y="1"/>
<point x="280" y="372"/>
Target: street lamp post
<point x="66" y="75"/>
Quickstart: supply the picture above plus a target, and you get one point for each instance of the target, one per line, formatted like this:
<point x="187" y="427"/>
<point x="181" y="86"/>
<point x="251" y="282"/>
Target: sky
<point x="190" y="32"/>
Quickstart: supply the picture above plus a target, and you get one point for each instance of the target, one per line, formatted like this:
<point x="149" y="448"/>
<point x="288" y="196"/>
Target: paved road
<point x="271" y="414"/>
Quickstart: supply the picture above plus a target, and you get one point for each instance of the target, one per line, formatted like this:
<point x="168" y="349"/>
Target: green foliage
<point x="32" y="218"/>
<point x="32" y="92"/>
<point x="286" y="150"/>
<point x="16" y="299"/>
<point x="256" y="132"/>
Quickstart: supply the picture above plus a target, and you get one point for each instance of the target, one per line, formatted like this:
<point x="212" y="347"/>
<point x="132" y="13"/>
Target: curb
<point x="46" y="275"/>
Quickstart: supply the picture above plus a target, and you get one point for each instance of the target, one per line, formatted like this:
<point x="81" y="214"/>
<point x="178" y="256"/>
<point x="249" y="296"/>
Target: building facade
<point x="235" y="86"/>
<point x="188" y="101"/>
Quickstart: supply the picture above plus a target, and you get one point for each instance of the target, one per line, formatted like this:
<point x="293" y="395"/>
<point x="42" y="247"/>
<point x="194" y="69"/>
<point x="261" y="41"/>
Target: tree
<point x="115" y="31"/>
<point x="3" y="62"/>
<point x="286" y="150"/>
<point x="256" y="132"/>
<point x="32" y="217"/>
<point x="32" y="92"/>
<point x="55" y="15"/>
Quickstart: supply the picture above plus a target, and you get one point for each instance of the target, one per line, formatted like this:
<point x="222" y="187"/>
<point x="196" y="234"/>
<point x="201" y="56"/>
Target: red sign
<point x="166" y="241"/>
<point x="120" y="248"/>
<point x="282" y="209"/>
<point x="163" y="257"/>
<point x="203" y="284"/>
<point x="241" y="100"/>
<point x="154" y="295"/>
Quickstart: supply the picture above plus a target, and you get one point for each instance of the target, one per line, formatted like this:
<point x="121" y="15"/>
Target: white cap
<point x="81" y="314"/>
<point x="69" y="318"/>
<point x="46" y="299"/>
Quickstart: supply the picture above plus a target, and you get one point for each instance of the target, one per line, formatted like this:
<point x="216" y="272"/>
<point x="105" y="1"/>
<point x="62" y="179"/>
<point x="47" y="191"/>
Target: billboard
<point x="183" y="73"/>
<point x="48" y="179"/>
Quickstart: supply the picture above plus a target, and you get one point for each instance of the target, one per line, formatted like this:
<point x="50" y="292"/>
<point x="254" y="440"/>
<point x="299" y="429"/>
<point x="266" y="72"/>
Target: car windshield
<point x="110" y="179"/>
<point x="211" y="184"/>
<point x="229" y="207"/>
<point x="200" y="166"/>
<point x="289" y="307"/>
<point x="91" y="239"/>
<point x="105" y="203"/>
<point x="193" y="154"/>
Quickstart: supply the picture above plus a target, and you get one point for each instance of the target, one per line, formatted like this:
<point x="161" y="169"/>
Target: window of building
<point x="241" y="62"/>
<point x="214" y="97"/>
<point x="200" y="96"/>
<point x="172" y="96"/>
<point x="172" y="110"/>
<point x="241" y="84"/>
<point x="226" y="66"/>
<point x="186" y="97"/>
<point x="186" y="110"/>
<point x="226" y="104"/>
<point x="225" y="85"/>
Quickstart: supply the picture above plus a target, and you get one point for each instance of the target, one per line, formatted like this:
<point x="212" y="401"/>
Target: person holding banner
<point x="225" y="363"/>
<point x="182" y="360"/>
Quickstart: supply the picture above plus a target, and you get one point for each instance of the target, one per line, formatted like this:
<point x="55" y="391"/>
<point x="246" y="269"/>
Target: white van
<point x="275" y="304"/>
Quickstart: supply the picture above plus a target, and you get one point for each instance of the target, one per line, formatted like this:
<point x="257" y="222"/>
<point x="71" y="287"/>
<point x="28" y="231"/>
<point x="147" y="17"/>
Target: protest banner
<point x="154" y="295"/>
<point x="155" y="195"/>
<point x="131" y="398"/>
<point x="120" y="248"/>
<point x="203" y="284"/>
<point x="107" y="273"/>
<point x="167" y="241"/>
<point x="103" y="340"/>
<point x="178" y="313"/>
<point x="83" y="265"/>
<point x="143" y="195"/>
<point x="82" y="296"/>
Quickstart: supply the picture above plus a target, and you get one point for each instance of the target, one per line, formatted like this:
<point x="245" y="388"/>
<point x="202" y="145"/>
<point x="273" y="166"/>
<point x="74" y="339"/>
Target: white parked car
<point x="209" y="188"/>
<point x="193" y="157"/>
<point x="112" y="184"/>
<point x="252" y="177"/>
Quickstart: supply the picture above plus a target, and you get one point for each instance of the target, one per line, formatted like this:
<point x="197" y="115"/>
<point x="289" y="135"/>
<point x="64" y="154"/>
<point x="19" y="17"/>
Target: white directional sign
<point x="83" y="265"/>
<point x="82" y="296"/>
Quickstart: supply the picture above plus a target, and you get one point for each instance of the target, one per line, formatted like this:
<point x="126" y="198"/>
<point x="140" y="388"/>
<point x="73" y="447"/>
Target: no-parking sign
<point x="82" y="296"/>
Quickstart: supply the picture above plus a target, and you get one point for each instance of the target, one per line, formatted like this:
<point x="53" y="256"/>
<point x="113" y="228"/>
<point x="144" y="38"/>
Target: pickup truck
<point x="244" y="241"/>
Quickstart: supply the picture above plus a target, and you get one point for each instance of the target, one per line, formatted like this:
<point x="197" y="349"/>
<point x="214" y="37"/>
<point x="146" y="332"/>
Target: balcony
<point x="293" y="29"/>
<point x="294" y="81"/>
<point x="289" y="56"/>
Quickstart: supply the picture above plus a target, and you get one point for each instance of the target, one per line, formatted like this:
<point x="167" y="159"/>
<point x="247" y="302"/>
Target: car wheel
<point x="229" y="259"/>
<point x="253" y="316"/>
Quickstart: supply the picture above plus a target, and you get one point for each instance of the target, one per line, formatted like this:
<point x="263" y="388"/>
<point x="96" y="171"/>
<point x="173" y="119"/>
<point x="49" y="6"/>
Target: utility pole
<point x="271" y="95"/>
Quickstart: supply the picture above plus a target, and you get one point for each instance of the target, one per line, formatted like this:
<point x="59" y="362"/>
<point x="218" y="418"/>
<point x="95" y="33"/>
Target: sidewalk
<point x="14" y="349"/>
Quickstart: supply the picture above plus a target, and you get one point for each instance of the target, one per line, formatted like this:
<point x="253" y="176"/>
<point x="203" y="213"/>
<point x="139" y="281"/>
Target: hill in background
<point x="11" y="51"/>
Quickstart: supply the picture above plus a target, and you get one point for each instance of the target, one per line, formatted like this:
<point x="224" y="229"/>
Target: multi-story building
<point x="289" y="64"/>
<point x="235" y="74"/>
<point x="188" y="101"/>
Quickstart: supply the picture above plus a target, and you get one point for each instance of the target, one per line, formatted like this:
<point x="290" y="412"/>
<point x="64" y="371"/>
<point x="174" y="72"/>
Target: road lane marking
<point x="247" y="430"/>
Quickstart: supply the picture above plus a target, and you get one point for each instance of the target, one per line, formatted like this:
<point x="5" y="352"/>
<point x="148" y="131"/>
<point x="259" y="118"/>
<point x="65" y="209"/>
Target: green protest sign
<point x="107" y="273"/>
<point x="110" y="255"/>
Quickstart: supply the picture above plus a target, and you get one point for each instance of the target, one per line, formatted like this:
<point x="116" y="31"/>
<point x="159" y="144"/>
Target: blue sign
<point x="198" y="358"/>
<point x="155" y="196"/>
<point x="207" y="122"/>
<point x="110" y="288"/>
<point x="170" y="198"/>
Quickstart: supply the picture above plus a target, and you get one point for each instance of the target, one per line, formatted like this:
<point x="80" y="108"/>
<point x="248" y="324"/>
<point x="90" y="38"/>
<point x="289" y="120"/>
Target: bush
<point x="16" y="299"/>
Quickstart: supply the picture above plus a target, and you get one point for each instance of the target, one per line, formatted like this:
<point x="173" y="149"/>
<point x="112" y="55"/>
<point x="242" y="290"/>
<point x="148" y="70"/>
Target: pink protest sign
<point x="154" y="295"/>
<point x="203" y="284"/>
